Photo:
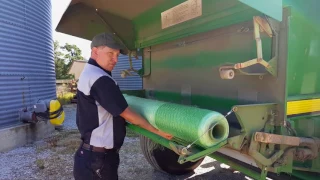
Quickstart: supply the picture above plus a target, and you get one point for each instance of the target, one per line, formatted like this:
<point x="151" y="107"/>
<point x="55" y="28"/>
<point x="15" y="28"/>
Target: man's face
<point x="106" y="57"/>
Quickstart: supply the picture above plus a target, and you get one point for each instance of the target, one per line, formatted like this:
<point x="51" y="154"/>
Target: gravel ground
<point x="52" y="158"/>
<point x="70" y="114"/>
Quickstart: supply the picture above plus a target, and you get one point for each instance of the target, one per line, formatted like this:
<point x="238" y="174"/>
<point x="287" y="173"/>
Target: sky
<point x="58" y="8"/>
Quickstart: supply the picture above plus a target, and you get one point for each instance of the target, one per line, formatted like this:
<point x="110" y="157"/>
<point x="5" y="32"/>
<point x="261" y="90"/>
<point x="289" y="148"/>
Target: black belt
<point x="98" y="149"/>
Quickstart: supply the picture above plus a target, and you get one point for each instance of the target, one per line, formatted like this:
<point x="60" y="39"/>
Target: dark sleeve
<point x="108" y="95"/>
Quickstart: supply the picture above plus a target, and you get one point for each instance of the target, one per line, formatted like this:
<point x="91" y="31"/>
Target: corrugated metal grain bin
<point x="26" y="57"/>
<point x="130" y="82"/>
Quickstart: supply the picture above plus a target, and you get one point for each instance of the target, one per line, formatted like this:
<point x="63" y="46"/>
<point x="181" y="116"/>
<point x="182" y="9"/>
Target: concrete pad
<point x="22" y="134"/>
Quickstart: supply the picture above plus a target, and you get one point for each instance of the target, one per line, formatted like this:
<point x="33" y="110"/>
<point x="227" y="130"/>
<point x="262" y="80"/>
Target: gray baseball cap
<point x="110" y="40"/>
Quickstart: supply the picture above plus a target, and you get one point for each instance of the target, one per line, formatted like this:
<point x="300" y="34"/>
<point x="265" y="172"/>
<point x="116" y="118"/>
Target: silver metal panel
<point x="183" y="12"/>
<point x="26" y="56"/>
<point x="130" y="82"/>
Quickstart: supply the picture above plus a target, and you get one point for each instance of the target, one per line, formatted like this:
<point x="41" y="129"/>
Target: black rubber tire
<point x="164" y="159"/>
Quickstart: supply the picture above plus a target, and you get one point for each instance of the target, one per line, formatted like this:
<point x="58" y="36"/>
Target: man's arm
<point x="109" y="96"/>
<point x="136" y="119"/>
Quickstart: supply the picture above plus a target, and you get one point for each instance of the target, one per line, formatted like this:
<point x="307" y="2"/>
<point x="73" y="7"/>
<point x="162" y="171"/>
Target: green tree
<point x="73" y="53"/>
<point x="63" y="61"/>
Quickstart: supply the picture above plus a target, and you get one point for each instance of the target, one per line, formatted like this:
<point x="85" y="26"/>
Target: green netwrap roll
<point x="185" y="122"/>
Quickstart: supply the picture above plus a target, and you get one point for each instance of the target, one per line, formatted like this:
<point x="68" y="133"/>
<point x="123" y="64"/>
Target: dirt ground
<point x="52" y="158"/>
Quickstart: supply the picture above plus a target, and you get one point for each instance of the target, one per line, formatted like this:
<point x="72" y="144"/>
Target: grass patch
<point x="64" y="142"/>
<point x="65" y="98"/>
<point x="70" y="144"/>
<point x="40" y="163"/>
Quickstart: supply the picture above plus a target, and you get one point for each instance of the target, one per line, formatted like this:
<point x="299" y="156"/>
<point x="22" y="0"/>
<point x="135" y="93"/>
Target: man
<point x="101" y="113"/>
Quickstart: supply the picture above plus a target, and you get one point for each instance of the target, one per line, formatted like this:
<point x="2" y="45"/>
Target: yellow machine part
<point x="303" y="106"/>
<point x="55" y="106"/>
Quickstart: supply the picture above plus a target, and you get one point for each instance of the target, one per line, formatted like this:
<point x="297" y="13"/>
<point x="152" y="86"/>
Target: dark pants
<point x="95" y="165"/>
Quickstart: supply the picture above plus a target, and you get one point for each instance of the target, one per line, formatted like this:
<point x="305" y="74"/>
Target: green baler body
<point x="181" y="63"/>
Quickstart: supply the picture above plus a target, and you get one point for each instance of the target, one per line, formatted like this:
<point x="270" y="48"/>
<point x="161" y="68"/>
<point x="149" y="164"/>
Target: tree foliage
<point x="73" y="53"/>
<point x="63" y="58"/>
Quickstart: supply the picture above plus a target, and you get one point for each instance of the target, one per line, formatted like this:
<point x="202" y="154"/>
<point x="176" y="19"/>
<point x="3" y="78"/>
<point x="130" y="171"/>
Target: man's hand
<point x="165" y="135"/>
<point x="136" y="119"/>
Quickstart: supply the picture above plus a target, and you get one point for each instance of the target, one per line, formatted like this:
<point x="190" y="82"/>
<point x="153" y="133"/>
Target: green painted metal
<point x="237" y="142"/>
<point x="166" y="143"/>
<point x="305" y="175"/>
<point x="302" y="73"/>
<point x="184" y="122"/>
<point x="301" y="123"/>
<point x="308" y="9"/>
<point x="253" y="118"/>
<point x="307" y="126"/>
<point x="234" y="165"/>
<point x="199" y="152"/>
<point x="197" y="156"/>
<point x="264" y="173"/>
<point x="286" y="167"/>
<point x="303" y="77"/>
<point x="215" y="14"/>
<point x="199" y="64"/>
<point x="145" y="71"/>
<point x="173" y="63"/>
<point x="154" y="137"/>
<point x="261" y="160"/>
<point x="272" y="8"/>
<point x="205" y="58"/>
<point x="273" y="69"/>
<point x="196" y="153"/>
<point x="89" y="22"/>
<point x="303" y="96"/>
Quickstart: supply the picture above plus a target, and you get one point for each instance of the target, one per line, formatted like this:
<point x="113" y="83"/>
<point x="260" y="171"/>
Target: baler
<point x="236" y="80"/>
